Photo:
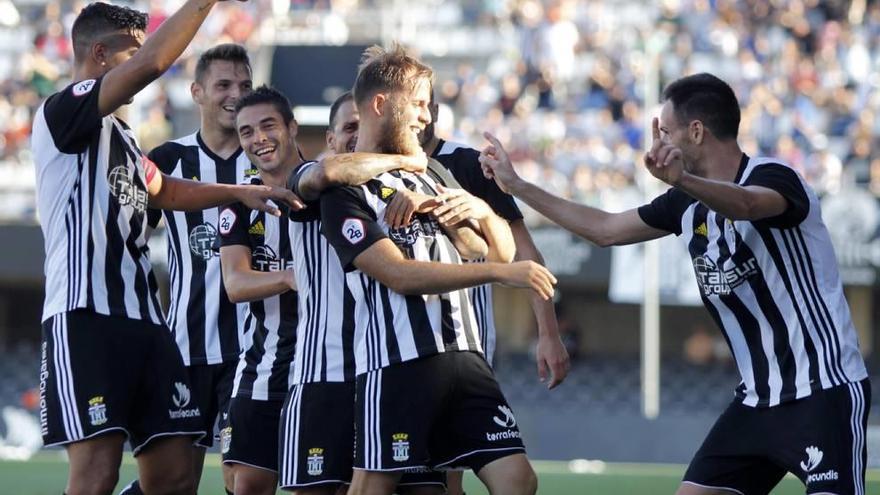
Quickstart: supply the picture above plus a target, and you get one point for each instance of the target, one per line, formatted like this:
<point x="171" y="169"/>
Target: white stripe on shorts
<point x="290" y="465"/>
<point x="64" y="378"/>
<point x="858" y="436"/>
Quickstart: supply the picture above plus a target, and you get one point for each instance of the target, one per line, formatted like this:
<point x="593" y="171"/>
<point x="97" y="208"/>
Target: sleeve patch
<point x="353" y="230"/>
<point x="83" y="87"/>
<point x="227" y="221"/>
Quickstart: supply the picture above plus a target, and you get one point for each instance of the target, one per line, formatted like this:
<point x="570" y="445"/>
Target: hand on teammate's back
<point x="528" y="274"/>
<point x="663" y="160"/>
<point x="257" y="198"/>
<point x="458" y="205"/>
<point x="496" y="164"/>
<point x="404" y="204"/>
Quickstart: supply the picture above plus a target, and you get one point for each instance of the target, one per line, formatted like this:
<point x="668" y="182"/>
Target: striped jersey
<point x="465" y="166"/>
<point x="400" y="328"/>
<point x="92" y="202"/>
<point x="207" y="327"/>
<point x="327" y="324"/>
<point x="771" y="285"/>
<point x="265" y="368"/>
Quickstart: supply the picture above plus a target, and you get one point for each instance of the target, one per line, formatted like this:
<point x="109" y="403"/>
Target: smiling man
<point x="207" y="327"/>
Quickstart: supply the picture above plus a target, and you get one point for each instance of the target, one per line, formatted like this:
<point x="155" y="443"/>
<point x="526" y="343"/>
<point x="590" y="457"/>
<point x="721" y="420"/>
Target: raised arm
<point x="350" y="169"/>
<point x="384" y="262"/>
<point x="158" y="53"/>
<point x="597" y="226"/>
<point x="243" y="283"/>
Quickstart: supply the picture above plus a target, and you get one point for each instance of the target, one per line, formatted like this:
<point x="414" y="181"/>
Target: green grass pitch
<point x="46" y="473"/>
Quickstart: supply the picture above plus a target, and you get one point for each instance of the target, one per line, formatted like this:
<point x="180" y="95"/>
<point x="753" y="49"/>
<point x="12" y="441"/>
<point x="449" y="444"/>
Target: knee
<point x="172" y="482"/>
<point x="96" y="481"/>
<point x="249" y="486"/>
<point x="528" y="482"/>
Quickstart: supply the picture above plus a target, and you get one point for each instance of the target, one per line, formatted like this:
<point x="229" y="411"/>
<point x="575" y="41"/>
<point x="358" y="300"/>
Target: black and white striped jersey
<point x="265" y="369"/>
<point x="771" y="285"/>
<point x="464" y="164"/>
<point x="400" y="328"/>
<point x="327" y="325"/>
<point x="92" y="202"/>
<point x="207" y="327"/>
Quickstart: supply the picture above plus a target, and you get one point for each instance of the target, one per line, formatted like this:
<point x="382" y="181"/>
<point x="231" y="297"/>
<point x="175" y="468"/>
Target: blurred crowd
<point x="566" y="87"/>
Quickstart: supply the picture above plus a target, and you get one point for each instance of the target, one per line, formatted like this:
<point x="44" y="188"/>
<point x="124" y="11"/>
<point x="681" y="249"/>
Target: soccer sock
<point x="133" y="488"/>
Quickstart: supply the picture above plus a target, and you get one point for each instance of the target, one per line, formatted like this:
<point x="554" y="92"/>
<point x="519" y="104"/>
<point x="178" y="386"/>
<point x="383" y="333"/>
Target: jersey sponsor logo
<point x="226" y="221"/>
<point x="315" y="461"/>
<point x="264" y="259"/>
<point x="717" y="282"/>
<point x="400" y="447"/>
<point x="421" y="226"/>
<point x="257" y="228"/>
<point x="353" y="230"/>
<point x="44" y="378"/>
<point x="201" y="241"/>
<point x="97" y="411"/>
<point x="126" y="190"/>
<point x="502" y="435"/>
<point x="181" y="398"/>
<point x="508" y="420"/>
<point x="83" y="87"/>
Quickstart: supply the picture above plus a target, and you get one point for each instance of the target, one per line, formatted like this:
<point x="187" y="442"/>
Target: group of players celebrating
<point x="334" y="317"/>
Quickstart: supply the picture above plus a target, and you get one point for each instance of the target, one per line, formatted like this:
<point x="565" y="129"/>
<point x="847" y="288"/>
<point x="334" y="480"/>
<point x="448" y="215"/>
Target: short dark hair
<point x="708" y="99"/>
<point x="269" y="95"/>
<point x="98" y="19"/>
<point x="334" y="109"/>
<point x="388" y="70"/>
<point x="229" y="52"/>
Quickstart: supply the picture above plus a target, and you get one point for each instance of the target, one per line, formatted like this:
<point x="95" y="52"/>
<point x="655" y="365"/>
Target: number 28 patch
<point x="353" y="230"/>
<point x="226" y="221"/>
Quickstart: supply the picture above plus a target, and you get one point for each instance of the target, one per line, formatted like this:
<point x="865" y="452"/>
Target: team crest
<point x="400" y="447"/>
<point x="225" y="439"/>
<point x="97" y="411"/>
<point x="315" y="461"/>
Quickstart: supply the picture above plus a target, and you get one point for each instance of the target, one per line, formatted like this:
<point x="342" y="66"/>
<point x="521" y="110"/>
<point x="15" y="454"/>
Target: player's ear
<point x="197" y="92"/>
<point x="697" y="131"/>
<point x="377" y="104"/>
<point x="293" y="129"/>
<point x="329" y="137"/>
<point x="99" y="53"/>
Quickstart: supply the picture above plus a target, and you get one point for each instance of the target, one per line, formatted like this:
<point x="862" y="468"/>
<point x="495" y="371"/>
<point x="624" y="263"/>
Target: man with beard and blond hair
<point x="425" y="396"/>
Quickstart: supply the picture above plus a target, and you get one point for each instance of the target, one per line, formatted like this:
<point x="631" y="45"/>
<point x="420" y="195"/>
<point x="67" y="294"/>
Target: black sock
<point x="133" y="488"/>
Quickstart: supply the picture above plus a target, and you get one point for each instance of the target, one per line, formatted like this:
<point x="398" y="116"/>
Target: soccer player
<point x="463" y="162"/>
<point x="425" y="395"/>
<point x="110" y="369"/>
<point x="257" y="257"/>
<point x="206" y="325"/>
<point x="317" y="428"/>
<point x="766" y="269"/>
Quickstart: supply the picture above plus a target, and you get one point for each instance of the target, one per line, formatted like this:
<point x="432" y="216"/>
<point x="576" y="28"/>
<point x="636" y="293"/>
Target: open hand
<point x="258" y="198"/>
<point x="404" y="204"/>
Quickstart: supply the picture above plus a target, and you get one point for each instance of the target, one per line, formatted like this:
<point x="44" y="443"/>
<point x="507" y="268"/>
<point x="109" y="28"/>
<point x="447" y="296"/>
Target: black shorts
<point x="317" y="438"/>
<point x="444" y="411"/>
<point x="820" y="439"/>
<point x="251" y="435"/>
<point x="102" y="373"/>
<point x="212" y="389"/>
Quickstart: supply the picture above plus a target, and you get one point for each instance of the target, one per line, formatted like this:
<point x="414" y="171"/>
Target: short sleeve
<point x="72" y="115"/>
<point x="312" y="211"/>
<point x="786" y="182"/>
<point x="232" y="225"/>
<point x="348" y="223"/>
<point x="465" y="167"/>
<point x="666" y="210"/>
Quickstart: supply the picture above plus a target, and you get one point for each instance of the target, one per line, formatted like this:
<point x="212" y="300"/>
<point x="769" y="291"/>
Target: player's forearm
<point x="545" y="313"/>
<point x="584" y="221"/>
<point x="253" y="285"/>
<point x="410" y="277"/>
<point x="354" y="169"/>
<point x="165" y="45"/>
<point x="469" y="244"/>
<point x="189" y="195"/>
<point x="496" y="231"/>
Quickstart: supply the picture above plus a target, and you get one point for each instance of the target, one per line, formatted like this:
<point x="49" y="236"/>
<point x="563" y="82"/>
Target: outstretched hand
<point x="496" y="164"/>
<point x="664" y="161"/>
<point x="257" y="198"/>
